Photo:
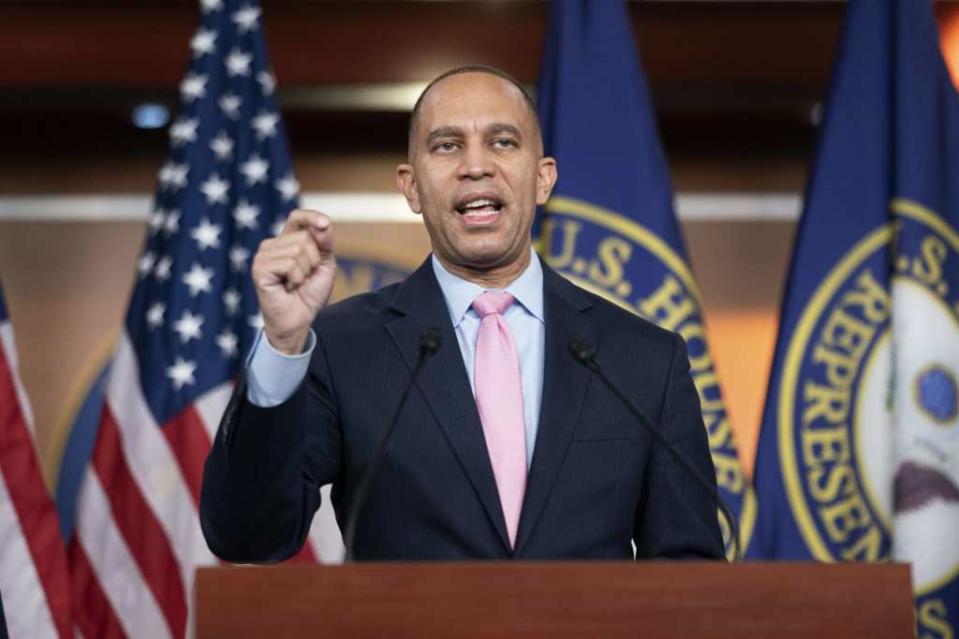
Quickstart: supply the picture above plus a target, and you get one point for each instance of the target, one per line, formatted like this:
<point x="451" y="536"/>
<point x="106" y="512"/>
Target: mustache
<point x="916" y="485"/>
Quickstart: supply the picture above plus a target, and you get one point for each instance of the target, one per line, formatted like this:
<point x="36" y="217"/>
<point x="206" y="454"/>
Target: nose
<point x="476" y="163"/>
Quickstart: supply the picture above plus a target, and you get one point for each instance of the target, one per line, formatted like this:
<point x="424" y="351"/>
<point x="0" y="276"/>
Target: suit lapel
<point x="445" y="384"/>
<point x="564" y="386"/>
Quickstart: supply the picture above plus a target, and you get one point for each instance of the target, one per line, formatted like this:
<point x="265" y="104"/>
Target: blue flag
<point x="610" y="225"/>
<point x="859" y="453"/>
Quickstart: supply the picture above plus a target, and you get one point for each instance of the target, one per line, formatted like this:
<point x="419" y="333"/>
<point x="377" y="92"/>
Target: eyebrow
<point x="496" y="128"/>
<point x="443" y="132"/>
<point x="502" y="127"/>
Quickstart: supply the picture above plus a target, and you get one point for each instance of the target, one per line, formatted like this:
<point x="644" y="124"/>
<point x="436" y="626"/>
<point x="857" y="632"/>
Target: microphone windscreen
<point x="581" y="350"/>
<point x="431" y="340"/>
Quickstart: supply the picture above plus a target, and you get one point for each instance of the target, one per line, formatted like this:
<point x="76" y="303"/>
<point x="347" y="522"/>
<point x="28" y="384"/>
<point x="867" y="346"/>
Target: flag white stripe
<point x="325" y="537"/>
<point x="154" y="467"/>
<point x="113" y="565"/>
<point x="210" y="407"/>
<point x="10" y="348"/>
<point x="24" y="599"/>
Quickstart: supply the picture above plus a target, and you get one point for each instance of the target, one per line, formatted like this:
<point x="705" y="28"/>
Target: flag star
<point x="181" y="373"/>
<point x="228" y="342"/>
<point x="198" y="279"/>
<point x="230" y="104"/>
<point x="188" y="326"/>
<point x="238" y="63"/>
<point x="265" y="124"/>
<point x="255" y="321"/>
<point x="211" y="5"/>
<point x="238" y="257"/>
<point x="146" y="263"/>
<point x="171" y="224"/>
<point x="288" y="187"/>
<point x="193" y="87"/>
<point x="277" y="227"/>
<point x="155" y="314"/>
<point x="222" y="145"/>
<point x="215" y="189"/>
<point x="206" y="234"/>
<point x="173" y="175"/>
<point x="183" y="130"/>
<point x="267" y="81"/>
<point x="162" y="269"/>
<point x="156" y="219"/>
<point x="203" y="42"/>
<point x="231" y="300"/>
<point x="255" y="169"/>
<point x="245" y="215"/>
<point x="246" y="18"/>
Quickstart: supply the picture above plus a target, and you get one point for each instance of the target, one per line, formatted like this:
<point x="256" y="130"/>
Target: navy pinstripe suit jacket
<point x="597" y="482"/>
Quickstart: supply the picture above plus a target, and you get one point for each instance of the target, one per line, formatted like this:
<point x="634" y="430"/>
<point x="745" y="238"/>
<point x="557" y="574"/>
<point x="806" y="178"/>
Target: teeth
<point x="477" y="204"/>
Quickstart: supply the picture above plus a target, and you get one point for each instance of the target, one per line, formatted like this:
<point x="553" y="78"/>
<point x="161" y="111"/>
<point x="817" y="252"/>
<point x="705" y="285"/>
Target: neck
<point x="498" y="277"/>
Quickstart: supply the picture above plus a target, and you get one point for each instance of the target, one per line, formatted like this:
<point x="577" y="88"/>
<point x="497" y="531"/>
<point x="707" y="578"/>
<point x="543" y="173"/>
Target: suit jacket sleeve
<point x="676" y="517"/>
<point x="262" y="478"/>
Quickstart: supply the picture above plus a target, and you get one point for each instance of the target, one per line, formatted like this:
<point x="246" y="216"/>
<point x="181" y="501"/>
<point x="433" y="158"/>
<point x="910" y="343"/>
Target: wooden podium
<point x="587" y="599"/>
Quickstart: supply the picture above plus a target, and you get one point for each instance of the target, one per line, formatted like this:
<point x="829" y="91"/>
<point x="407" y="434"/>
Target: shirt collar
<point x="527" y="289"/>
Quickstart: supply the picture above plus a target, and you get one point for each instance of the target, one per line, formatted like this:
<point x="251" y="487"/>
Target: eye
<point x="504" y="143"/>
<point x="444" y="147"/>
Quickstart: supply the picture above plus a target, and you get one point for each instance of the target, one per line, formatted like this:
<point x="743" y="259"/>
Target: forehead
<point x="471" y="100"/>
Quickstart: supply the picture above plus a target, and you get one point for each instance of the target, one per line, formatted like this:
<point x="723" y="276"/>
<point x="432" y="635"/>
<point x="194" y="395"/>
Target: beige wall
<point x="67" y="286"/>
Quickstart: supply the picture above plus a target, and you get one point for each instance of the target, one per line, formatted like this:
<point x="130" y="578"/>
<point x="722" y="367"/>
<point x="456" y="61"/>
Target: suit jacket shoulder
<point x="615" y="327"/>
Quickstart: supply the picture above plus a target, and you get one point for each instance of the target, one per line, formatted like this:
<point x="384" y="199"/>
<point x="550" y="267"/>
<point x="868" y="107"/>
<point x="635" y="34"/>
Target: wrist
<point x="292" y="344"/>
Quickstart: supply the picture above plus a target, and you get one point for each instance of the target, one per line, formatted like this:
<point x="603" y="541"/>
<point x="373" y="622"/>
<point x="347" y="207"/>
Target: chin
<point x="484" y="259"/>
<point x="489" y="257"/>
<point x="480" y="247"/>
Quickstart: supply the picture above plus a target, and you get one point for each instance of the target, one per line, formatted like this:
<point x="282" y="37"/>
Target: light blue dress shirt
<point x="273" y="376"/>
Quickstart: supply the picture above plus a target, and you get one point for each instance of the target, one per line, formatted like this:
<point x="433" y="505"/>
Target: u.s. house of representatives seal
<point x="619" y="259"/>
<point x="868" y="408"/>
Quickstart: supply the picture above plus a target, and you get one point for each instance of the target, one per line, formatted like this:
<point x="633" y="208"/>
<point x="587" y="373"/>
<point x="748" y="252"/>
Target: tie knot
<point x="492" y="302"/>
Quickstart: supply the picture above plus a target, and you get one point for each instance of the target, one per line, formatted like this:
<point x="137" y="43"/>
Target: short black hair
<point x="473" y="68"/>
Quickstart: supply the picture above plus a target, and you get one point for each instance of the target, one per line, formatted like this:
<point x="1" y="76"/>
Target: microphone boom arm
<point x="430" y="341"/>
<point x="584" y="353"/>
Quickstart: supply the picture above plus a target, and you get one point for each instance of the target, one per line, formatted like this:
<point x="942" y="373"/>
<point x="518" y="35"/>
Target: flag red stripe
<point x="95" y="615"/>
<point x="306" y="554"/>
<point x="143" y="534"/>
<point x="32" y="502"/>
<point x="190" y="444"/>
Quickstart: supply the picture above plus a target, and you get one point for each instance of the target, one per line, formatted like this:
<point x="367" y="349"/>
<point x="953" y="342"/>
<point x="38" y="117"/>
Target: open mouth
<point x="479" y="210"/>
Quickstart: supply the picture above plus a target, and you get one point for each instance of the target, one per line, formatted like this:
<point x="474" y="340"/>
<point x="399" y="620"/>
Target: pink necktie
<point x="499" y="398"/>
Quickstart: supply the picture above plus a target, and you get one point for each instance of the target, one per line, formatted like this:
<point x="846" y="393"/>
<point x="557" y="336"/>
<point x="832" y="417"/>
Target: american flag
<point x="130" y="504"/>
<point x="34" y="582"/>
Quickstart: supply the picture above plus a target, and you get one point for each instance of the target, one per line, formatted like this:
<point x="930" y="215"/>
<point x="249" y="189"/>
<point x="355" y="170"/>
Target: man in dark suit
<point x="507" y="448"/>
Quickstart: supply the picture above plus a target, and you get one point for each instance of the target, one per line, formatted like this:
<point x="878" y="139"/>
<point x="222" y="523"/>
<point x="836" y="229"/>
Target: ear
<point x="406" y="183"/>
<point x="545" y="179"/>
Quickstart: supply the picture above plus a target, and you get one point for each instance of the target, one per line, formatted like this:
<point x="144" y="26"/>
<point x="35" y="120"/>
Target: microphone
<point x="430" y="341"/>
<point x="584" y="353"/>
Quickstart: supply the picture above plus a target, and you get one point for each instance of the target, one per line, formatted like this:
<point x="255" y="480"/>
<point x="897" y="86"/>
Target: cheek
<point x="527" y="190"/>
<point x="433" y="191"/>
